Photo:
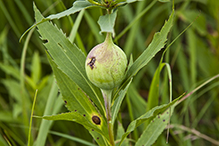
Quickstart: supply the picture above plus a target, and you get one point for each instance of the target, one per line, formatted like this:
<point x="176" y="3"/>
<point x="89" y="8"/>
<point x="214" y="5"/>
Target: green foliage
<point x="150" y="114"/>
<point x="154" y="129"/>
<point x="70" y="67"/>
<point x="107" y="22"/>
<point x="156" y="45"/>
<point x="54" y="63"/>
<point x="69" y="59"/>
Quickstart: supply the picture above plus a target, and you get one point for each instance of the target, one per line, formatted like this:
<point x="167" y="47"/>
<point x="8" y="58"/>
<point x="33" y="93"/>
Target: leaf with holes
<point x="83" y="119"/>
<point x="83" y="111"/>
<point x="69" y="59"/>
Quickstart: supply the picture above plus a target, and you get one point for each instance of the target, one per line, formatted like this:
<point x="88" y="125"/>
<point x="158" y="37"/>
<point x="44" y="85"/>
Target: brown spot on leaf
<point x="96" y="120"/>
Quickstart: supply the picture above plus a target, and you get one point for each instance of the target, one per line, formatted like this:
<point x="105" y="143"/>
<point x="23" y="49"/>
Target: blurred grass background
<point x="194" y="57"/>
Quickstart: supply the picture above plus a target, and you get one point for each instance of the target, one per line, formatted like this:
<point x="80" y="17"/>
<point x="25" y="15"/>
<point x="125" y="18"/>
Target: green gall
<point x="106" y="65"/>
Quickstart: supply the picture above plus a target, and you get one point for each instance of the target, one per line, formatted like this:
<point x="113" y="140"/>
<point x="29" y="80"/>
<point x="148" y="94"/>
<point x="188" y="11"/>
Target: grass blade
<point x="45" y="125"/>
<point x="31" y="117"/>
<point x="72" y="138"/>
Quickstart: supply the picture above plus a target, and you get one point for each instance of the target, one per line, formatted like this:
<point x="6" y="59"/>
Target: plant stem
<point x="109" y="38"/>
<point x="107" y="94"/>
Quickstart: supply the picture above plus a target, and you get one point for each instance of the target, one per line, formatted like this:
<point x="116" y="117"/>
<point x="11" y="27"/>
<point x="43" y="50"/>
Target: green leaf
<point x="7" y="116"/>
<point x="17" y="110"/>
<point x="120" y="96"/>
<point x="130" y="62"/>
<point x="69" y="59"/>
<point x="53" y="102"/>
<point x="83" y="119"/>
<point x="164" y="1"/>
<point x="117" y="1"/>
<point x="36" y="68"/>
<point x="76" y="26"/>
<point x="153" y="97"/>
<point x="120" y="132"/>
<point x="131" y="1"/>
<point x="77" y="6"/>
<point x="10" y="70"/>
<point x="107" y="22"/>
<point x="14" y="89"/>
<point x="135" y="102"/>
<point x="154" y="129"/>
<point x="149" y="115"/>
<point x="2" y="140"/>
<point x="77" y="101"/>
<point x="155" y="46"/>
<point x="74" y="30"/>
<point x="99" y="138"/>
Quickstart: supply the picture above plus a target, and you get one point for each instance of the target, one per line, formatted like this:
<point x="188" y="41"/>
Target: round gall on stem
<point x="106" y="65"/>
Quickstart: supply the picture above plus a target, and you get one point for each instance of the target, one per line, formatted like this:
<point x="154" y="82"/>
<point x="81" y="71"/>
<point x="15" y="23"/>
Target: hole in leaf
<point x="84" y="115"/>
<point x="45" y="41"/>
<point x="65" y="102"/>
<point x="62" y="47"/>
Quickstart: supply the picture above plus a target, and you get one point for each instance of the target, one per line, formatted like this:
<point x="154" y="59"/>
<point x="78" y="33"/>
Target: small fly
<point x="91" y="63"/>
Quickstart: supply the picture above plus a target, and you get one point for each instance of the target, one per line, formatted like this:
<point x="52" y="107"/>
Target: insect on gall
<point x="91" y="63"/>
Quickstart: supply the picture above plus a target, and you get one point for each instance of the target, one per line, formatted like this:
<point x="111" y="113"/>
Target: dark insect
<point x="96" y="120"/>
<point x="91" y="63"/>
